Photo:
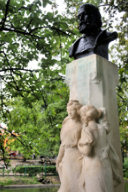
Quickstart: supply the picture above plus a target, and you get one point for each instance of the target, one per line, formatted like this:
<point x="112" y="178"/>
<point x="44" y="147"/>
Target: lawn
<point x="18" y="180"/>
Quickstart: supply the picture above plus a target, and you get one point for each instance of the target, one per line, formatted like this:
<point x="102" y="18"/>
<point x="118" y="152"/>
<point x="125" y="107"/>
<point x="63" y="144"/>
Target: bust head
<point x="89" y="18"/>
<point x="73" y="108"/>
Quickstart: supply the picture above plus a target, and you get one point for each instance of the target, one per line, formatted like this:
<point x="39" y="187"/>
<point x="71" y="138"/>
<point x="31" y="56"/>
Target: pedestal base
<point x="92" y="80"/>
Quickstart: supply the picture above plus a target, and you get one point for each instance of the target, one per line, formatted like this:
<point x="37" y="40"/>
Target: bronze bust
<point x="94" y="40"/>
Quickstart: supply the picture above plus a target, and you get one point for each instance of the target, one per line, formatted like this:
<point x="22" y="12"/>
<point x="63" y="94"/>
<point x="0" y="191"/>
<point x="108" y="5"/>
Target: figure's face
<point x="72" y="112"/>
<point x="87" y="21"/>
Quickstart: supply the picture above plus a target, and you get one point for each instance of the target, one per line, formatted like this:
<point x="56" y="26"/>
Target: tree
<point x="25" y="32"/>
<point x="33" y="97"/>
<point x="119" y="52"/>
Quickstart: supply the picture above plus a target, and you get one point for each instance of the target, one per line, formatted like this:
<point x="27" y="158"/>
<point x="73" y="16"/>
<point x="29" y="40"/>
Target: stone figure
<point x="96" y="167"/>
<point x="68" y="162"/>
<point x="94" y="40"/>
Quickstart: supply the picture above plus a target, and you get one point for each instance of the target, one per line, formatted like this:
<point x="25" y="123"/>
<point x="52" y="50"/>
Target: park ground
<point x="10" y="177"/>
<point x="14" y="180"/>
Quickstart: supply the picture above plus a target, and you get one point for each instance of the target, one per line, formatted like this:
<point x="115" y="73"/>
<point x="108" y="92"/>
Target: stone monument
<point x="89" y="158"/>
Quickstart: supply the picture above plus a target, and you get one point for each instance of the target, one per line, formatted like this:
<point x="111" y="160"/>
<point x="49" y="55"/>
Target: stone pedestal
<point x="93" y="80"/>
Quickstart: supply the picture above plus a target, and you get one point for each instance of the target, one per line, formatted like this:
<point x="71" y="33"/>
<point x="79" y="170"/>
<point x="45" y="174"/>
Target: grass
<point x="18" y="180"/>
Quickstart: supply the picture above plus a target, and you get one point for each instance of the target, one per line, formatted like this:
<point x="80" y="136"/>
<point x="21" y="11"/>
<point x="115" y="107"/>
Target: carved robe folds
<point x="68" y="160"/>
<point x="96" y="168"/>
<point x="85" y="162"/>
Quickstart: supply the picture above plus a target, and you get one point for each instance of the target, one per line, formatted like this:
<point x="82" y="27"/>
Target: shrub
<point x="34" y="170"/>
<point x="125" y="168"/>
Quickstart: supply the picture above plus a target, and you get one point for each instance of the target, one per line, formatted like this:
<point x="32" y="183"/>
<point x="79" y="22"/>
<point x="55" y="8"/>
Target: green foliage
<point x="31" y="170"/>
<point x="33" y="101"/>
<point x="34" y="41"/>
<point x="125" y="168"/>
<point x="4" y="181"/>
<point x="124" y="139"/>
<point x="38" y="129"/>
<point x="34" y="170"/>
<point x="119" y="52"/>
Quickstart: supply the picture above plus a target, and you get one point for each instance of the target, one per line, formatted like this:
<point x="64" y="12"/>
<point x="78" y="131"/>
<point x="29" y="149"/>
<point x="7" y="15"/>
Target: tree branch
<point x="14" y="135"/>
<point x="15" y="68"/>
<point x="18" y="31"/>
<point x="5" y="28"/>
<point x="18" y="69"/>
<point x="6" y="13"/>
<point x="53" y="28"/>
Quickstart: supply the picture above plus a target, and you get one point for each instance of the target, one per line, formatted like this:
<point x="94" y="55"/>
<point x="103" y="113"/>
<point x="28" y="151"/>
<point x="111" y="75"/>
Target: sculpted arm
<point x="60" y="156"/>
<point x="61" y="149"/>
<point x="88" y="139"/>
<point x="85" y="143"/>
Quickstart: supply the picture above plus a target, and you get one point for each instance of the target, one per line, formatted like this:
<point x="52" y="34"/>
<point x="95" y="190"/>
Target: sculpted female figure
<point x="96" y="168"/>
<point x="68" y="161"/>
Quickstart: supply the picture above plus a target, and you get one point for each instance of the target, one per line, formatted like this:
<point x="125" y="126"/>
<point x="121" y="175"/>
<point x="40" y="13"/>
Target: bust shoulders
<point x="87" y="45"/>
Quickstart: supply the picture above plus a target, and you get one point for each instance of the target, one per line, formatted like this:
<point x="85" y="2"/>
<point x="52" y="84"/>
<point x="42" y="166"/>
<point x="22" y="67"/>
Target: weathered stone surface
<point x="93" y="80"/>
<point x="69" y="162"/>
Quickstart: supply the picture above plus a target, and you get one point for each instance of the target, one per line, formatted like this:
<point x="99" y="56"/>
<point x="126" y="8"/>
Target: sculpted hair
<point x="74" y="103"/>
<point x="91" y="9"/>
<point x="91" y="112"/>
